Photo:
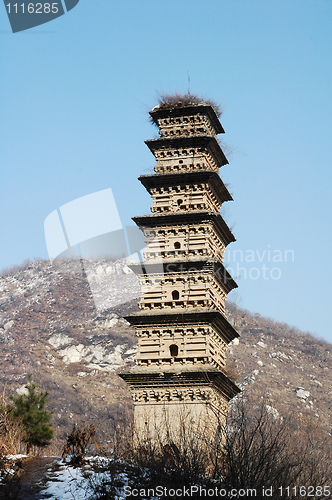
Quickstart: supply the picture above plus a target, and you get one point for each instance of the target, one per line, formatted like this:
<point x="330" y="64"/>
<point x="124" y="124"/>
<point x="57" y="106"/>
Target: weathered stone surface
<point x="261" y="344"/>
<point x="59" y="339"/>
<point x="22" y="390"/>
<point x="99" y="357"/>
<point x="272" y="411"/>
<point x="280" y="355"/>
<point x="301" y="393"/>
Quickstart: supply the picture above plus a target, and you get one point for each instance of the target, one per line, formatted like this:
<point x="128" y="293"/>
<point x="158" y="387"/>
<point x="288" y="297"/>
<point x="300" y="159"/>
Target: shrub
<point x="254" y="449"/>
<point x="78" y="442"/>
<point x="11" y="433"/>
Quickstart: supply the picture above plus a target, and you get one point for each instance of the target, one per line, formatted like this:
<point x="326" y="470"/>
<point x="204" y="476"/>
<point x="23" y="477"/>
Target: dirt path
<point x="34" y="470"/>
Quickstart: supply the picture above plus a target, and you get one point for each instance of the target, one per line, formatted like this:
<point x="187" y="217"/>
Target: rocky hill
<point x="49" y="326"/>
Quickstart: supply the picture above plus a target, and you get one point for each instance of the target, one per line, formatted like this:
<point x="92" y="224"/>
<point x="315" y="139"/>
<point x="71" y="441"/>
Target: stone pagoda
<point x="181" y="326"/>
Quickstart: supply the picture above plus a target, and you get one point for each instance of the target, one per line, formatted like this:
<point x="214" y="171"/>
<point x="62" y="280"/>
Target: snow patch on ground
<point x="9" y="463"/>
<point x="71" y="482"/>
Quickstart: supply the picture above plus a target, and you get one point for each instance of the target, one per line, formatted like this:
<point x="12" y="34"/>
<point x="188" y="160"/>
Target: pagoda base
<point x="176" y="404"/>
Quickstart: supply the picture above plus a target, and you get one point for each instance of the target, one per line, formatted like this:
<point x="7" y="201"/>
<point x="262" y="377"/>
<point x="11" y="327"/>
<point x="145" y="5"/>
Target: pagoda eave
<point x="175" y="111"/>
<point x="187" y="266"/>
<point x="203" y="176"/>
<point x="201" y="316"/>
<point x="185" y="142"/>
<point x="183" y="217"/>
<point x="206" y="376"/>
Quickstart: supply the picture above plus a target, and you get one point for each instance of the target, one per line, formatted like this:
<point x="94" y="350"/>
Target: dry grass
<point x="78" y="442"/>
<point x="177" y="100"/>
<point x="252" y="450"/>
<point x="12" y="431"/>
<point x="15" y="268"/>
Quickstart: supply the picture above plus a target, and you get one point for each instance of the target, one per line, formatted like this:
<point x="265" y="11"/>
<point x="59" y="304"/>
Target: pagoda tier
<point x="203" y="190"/>
<point x="184" y="387"/>
<point x="185" y="235"/>
<point x="201" y="337"/>
<point x="183" y="285"/>
<point x="181" y="326"/>
<point x="184" y="154"/>
<point x="189" y="120"/>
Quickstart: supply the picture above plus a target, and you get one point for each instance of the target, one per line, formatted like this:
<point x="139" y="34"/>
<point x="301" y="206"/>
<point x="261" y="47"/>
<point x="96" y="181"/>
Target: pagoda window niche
<point x="173" y="350"/>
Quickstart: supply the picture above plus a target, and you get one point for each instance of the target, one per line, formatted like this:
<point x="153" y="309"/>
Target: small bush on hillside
<point x="15" y="268"/>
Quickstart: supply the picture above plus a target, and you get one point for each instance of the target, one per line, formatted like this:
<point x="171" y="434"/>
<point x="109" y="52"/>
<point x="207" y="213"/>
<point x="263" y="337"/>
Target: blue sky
<point x="75" y="99"/>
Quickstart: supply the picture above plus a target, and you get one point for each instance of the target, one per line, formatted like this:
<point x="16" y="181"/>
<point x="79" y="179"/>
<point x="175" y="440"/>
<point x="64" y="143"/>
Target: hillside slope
<point x="49" y="327"/>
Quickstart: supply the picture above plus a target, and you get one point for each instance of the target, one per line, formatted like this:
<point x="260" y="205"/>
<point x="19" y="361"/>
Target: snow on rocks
<point x="9" y="466"/>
